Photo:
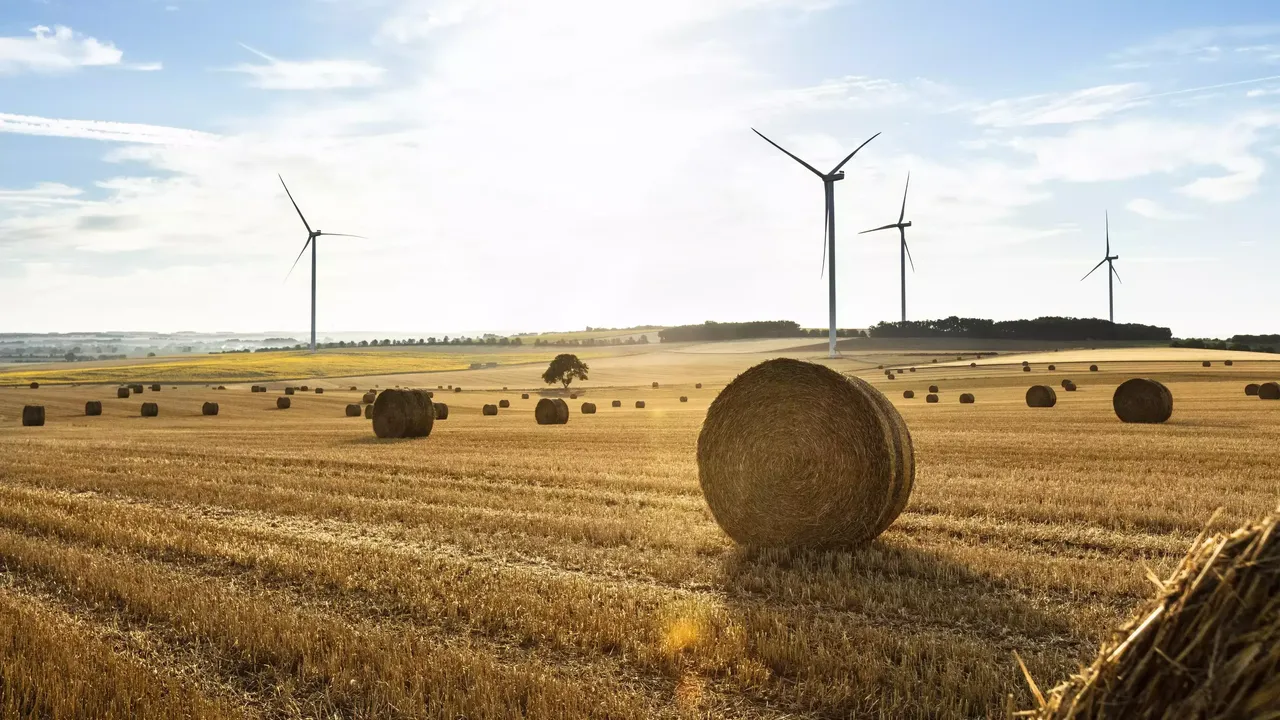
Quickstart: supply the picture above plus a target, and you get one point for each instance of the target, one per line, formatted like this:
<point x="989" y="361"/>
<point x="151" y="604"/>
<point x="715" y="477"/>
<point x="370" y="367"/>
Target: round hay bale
<point x="913" y="369"/>
<point x="353" y="388"/>
<point x="934" y="360"/>
<point x="504" y="403"/>
<point x="442" y="411"/>
<point x="353" y="409"/>
<point x="283" y="403"/>
<point x="1228" y="363"/>
<point x="504" y="387"/>
<point x="640" y="404"/>
<point x="1065" y="383"/>
<point x="32" y="415"/>
<point x="35" y="386"/>
<point x="1025" y="363"/>
<point x="1069" y="387"/>
<point x="1041" y="396"/>
<point x="684" y="398"/>
<point x="319" y="391"/>
<point x="369" y="397"/>
<point x="973" y="364"/>
<point x="1142" y="400"/>
<point x="1026" y="368"/>
<point x="304" y="388"/>
<point x="933" y="388"/>
<point x="573" y="396"/>
<point x="1251" y="389"/>
<point x="123" y="392"/>
<point x="288" y="391"/>
<point x="1093" y="368"/>
<point x="699" y="385"/>
<point x="209" y="408"/>
<point x="524" y="396"/>
<point x="155" y="387"/>
<point x="1053" y="368"/>
<point x="1206" y="363"/>
<point x="93" y="408"/>
<point x="588" y="408"/>
<point x="891" y="376"/>
<point x="450" y="387"/>
<point x="403" y="414"/>
<point x="430" y="394"/>
<point x="931" y="398"/>
<point x="966" y="398"/>
<point x="616" y="403"/>
<point x="655" y="386"/>
<point x="458" y="389"/>
<point x="1203" y="647"/>
<point x="1269" y="391"/>
<point x="150" y="409"/>
<point x="136" y="388"/>
<point x="879" y="367"/>
<point x="908" y="394"/>
<point x="549" y="412"/>
<point x="489" y="410"/>
<point x="368" y="412"/>
<point x="795" y="454"/>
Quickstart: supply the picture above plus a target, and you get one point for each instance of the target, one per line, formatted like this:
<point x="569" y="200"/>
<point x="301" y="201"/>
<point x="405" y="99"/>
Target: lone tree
<point x="564" y="369"/>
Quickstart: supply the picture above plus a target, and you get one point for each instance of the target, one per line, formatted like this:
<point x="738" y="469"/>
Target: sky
<point x="521" y="166"/>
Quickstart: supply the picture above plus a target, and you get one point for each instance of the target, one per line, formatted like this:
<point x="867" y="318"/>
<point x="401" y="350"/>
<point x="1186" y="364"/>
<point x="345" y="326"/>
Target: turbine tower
<point x="1107" y="258"/>
<point x="829" y="226"/>
<point x="904" y="252"/>
<point x="312" y="237"/>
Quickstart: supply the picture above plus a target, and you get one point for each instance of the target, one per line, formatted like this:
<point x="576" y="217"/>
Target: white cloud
<point x="102" y="130"/>
<point x="60" y="49"/>
<point x="1060" y="108"/>
<point x="279" y="74"/>
<point x="1153" y="210"/>
<point x="45" y="193"/>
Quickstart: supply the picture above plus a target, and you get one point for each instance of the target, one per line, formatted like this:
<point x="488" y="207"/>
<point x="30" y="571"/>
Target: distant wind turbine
<point x="312" y="237"/>
<point x="1107" y="258"/>
<point x="904" y="252"/>
<point x="829" y="226"/>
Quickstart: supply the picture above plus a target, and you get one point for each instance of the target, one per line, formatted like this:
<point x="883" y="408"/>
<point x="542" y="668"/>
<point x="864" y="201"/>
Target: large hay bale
<point x="93" y="408"/>
<point x="283" y="403"/>
<point x="35" y="386"/>
<point x="966" y="398"/>
<point x="524" y="396"/>
<point x="684" y="398"/>
<point x="1251" y="389"/>
<point x="489" y="410"/>
<point x="368" y="412"/>
<point x="588" y="408"/>
<point x="640" y="404"/>
<point x="504" y="403"/>
<point x="1269" y="391"/>
<point x="1142" y="400"/>
<point x="1205" y="647"/>
<point x="123" y="392"/>
<point x="795" y="454"/>
<point x="150" y="409"/>
<point x="353" y="409"/>
<point x="931" y="398"/>
<point x="933" y="388"/>
<point x="369" y="397"/>
<point x="616" y="403"/>
<point x="1041" y="396"/>
<point x="551" y="411"/>
<point x="319" y="391"/>
<point x="155" y="387"/>
<point x="908" y="394"/>
<point x="1093" y="368"/>
<point x="441" y="410"/>
<point x="288" y="391"/>
<point x="209" y="408"/>
<point x="403" y="414"/>
<point x="32" y="415"/>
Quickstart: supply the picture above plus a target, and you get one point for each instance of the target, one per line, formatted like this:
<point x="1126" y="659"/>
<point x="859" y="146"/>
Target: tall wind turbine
<point x="904" y="252"/>
<point x="829" y="229"/>
<point x="1107" y="258"/>
<point x="312" y="237"/>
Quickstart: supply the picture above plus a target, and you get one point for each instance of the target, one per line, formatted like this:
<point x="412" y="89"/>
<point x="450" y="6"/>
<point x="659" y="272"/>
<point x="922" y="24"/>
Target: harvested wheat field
<point x="272" y="564"/>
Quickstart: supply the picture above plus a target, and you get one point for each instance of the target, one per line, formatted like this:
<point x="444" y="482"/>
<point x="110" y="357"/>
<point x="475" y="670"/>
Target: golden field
<point x="281" y="564"/>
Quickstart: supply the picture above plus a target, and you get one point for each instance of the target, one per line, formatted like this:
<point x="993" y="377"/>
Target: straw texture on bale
<point x="1142" y="400"/>
<point x="1206" y="363"/>
<point x="489" y="410"/>
<point x="283" y="403"/>
<point x="368" y="412"/>
<point x="551" y="411"/>
<point x="150" y="410"/>
<point x="353" y="409"/>
<point x="966" y="398"/>
<point x="795" y="454"/>
<point x="1251" y="389"/>
<point x="908" y="394"/>
<point x="931" y="398"/>
<point x="524" y="396"/>
<point x="616" y="403"/>
<point x="369" y="397"/>
<point x="1041" y="396"/>
<point x="1228" y="363"/>
<point x="32" y="415"/>
<point x="155" y="388"/>
<point x="442" y="411"/>
<point x="288" y="391"/>
<point x="640" y="404"/>
<point x="1093" y="368"/>
<point x="504" y="403"/>
<point x="588" y="408"/>
<point x="93" y="408"/>
<point x="684" y="398"/>
<point x="35" y="386"/>
<point x="123" y="392"/>
<point x="319" y="391"/>
<point x="933" y="388"/>
<point x="1269" y="391"/>
<point x="403" y="414"/>
<point x="1207" y="646"/>
<point x="209" y="408"/>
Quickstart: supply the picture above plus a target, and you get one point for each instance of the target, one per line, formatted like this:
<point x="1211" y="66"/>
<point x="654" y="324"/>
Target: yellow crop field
<point x="270" y="563"/>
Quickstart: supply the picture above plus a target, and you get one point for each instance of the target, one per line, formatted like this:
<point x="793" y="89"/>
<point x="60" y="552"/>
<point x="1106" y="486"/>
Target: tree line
<point x="712" y="330"/>
<point x="1042" y="328"/>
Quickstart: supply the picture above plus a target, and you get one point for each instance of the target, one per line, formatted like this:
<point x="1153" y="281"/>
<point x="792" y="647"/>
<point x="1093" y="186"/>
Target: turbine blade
<point x="836" y="169"/>
<point x="812" y="169"/>
<point x="1117" y="274"/>
<point x="1095" y="267"/>
<point x="826" y="227"/>
<point x="305" y="245"/>
<point x="882" y="227"/>
<point x="295" y="203"/>
<point x="903" y="232"/>
<point x="342" y="235"/>
<point x="904" y="198"/>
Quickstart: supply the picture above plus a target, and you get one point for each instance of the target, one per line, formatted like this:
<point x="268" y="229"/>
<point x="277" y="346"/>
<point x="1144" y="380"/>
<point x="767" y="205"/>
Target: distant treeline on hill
<point x="711" y="330"/>
<point x="1044" y="328"/>
<point x="1245" y="343"/>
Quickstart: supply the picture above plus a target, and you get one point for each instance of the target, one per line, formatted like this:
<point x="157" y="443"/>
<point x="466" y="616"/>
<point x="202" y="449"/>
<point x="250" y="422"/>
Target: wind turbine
<point x="829" y="226"/>
<point x="904" y="252"/>
<point x="312" y="237"/>
<point x="1107" y="258"/>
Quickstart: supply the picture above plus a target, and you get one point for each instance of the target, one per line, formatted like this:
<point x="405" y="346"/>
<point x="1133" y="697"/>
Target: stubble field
<point x="275" y="564"/>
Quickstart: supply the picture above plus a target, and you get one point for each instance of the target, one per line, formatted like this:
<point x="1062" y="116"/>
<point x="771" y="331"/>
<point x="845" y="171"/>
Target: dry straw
<point x="829" y="464"/>
<point x="403" y="414"/>
<point x="1269" y="391"/>
<point x="1041" y="396"/>
<point x="32" y="415"/>
<point x="1251" y="389"/>
<point x="442" y="411"/>
<point x="209" y="408"/>
<point x="966" y="398"/>
<point x="353" y="409"/>
<point x="93" y="408"/>
<point x="551" y="411"/>
<point x="1207" y="646"/>
<point x="931" y="398"/>
<point x="150" y="410"/>
<point x="1142" y="400"/>
<point x="283" y="403"/>
<point x="588" y="408"/>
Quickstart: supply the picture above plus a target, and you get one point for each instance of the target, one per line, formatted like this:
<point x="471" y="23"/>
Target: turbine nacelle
<point x="835" y="176"/>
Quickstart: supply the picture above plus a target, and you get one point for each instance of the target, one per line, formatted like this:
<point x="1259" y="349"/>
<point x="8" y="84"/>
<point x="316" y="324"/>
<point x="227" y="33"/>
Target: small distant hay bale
<point x="1041" y="396"/>
<point x="123" y="392"/>
<point x="441" y="387"/>
<point x="305" y="388"/>
<point x="222" y="387"/>
<point x="288" y="391"/>
<point x="1251" y="389"/>
<point x="1142" y="400"/>
<point x="209" y="408"/>
<point x="1053" y="368"/>
<point x="283" y="403"/>
<point x="908" y="394"/>
<point x="1203" y="647"/>
<point x="442" y="411"/>
<point x="353" y="409"/>
<point x="319" y="391"/>
<point x="551" y="411"/>
<point x="93" y="408"/>
<point x="1228" y="363"/>
<point x="403" y="414"/>
<point x="504" y="387"/>
<point x="32" y="415"/>
<point x="573" y="396"/>
<point x="368" y="412"/>
<point x="155" y="387"/>
<point x="933" y="388"/>
<point x="966" y="398"/>
<point x="1093" y="368"/>
<point x="655" y="386"/>
<point x="353" y="388"/>
<point x="504" y="403"/>
<point x="1066" y="382"/>
<point x="458" y="389"/>
<point x="616" y="403"/>
<point x="879" y="367"/>
<point x="1206" y="363"/>
<point x="931" y="398"/>
<point x="1026" y="368"/>
<point x="588" y="408"/>
<point x="891" y="376"/>
<point x="35" y="386"/>
<point x="524" y="396"/>
<point x="150" y="409"/>
<point x="973" y="364"/>
<point x="934" y="360"/>
<point x="699" y="385"/>
<point x="136" y="388"/>
<point x="1026" y="363"/>
<point x="913" y="369"/>
<point x="684" y="398"/>
<point x="829" y="464"/>
<point x="640" y="404"/>
<point x="369" y="397"/>
<point x="450" y="387"/>
<point x="489" y="410"/>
